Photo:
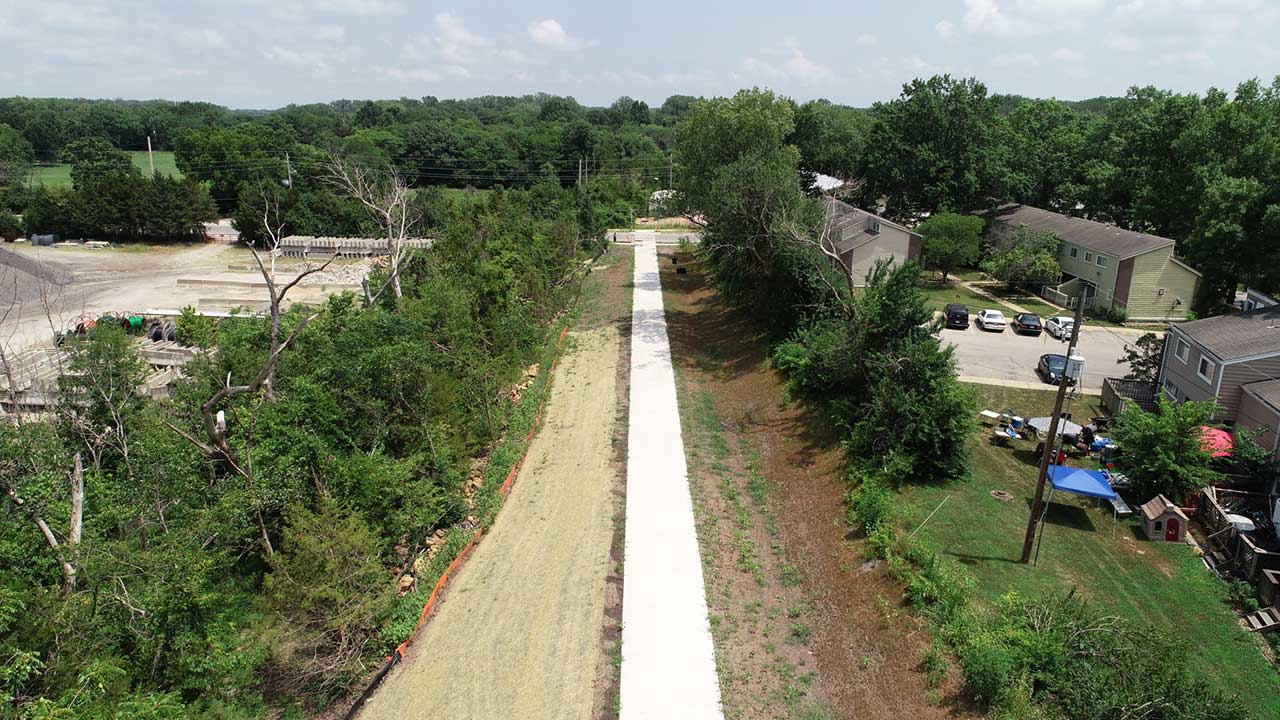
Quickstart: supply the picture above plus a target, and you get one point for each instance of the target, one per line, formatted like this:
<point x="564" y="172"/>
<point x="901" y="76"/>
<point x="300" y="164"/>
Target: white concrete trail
<point x="668" y="660"/>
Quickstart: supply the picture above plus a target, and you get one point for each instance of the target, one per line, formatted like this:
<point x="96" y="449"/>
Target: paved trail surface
<point x="518" y="633"/>
<point x="668" y="661"/>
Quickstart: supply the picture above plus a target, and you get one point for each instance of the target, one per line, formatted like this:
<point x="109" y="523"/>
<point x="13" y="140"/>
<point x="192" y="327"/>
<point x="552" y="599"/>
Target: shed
<point x="1161" y="519"/>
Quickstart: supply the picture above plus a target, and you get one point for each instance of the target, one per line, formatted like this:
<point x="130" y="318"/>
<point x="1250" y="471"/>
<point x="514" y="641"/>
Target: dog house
<point x="1162" y="520"/>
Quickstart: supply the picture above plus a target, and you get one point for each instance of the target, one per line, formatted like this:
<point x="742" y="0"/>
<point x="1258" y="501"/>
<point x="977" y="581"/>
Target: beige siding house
<point x="1114" y="267"/>
<point x="1234" y="359"/>
<point x="862" y="239"/>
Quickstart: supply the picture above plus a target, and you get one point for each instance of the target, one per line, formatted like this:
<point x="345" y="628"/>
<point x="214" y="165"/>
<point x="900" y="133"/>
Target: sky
<point x="270" y="53"/>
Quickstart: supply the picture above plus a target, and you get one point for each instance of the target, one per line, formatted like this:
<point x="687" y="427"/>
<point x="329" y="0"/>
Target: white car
<point x="1059" y="326"/>
<point x="991" y="320"/>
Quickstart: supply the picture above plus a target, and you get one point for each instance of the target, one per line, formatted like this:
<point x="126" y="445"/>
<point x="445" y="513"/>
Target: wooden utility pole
<point x="1051" y="443"/>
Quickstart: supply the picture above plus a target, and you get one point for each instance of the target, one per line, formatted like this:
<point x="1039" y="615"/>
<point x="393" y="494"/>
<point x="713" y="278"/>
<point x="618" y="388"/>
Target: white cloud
<point x="455" y="42"/>
<point x="67" y="16"/>
<point x="945" y="29"/>
<point x="1009" y="18"/>
<point x="513" y="55"/>
<point x="305" y="59"/>
<point x="1122" y="42"/>
<point x="1067" y="55"/>
<point x="1016" y="60"/>
<point x="550" y="33"/>
<point x="799" y="66"/>
<point x="208" y="37"/>
<point x="408" y="74"/>
<point x="331" y="32"/>
<point x="865" y="40"/>
<point x="791" y="63"/>
<point x="362" y="8"/>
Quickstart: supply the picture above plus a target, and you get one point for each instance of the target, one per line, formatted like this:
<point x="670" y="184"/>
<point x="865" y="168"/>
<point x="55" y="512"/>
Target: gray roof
<point x="1238" y="335"/>
<point x="1268" y="391"/>
<point x="848" y="224"/>
<point x="1096" y="236"/>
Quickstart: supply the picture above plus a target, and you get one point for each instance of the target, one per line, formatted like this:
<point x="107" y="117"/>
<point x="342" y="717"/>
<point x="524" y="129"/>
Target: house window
<point x="1102" y="261"/>
<point x="1183" y="351"/>
<point x="1171" y="390"/>
<point x="1075" y="252"/>
<point x="873" y="226"/>
<point x="1205" y="369"/>
<point x="1158" y="525"/>
<point x="1088" y="257"/>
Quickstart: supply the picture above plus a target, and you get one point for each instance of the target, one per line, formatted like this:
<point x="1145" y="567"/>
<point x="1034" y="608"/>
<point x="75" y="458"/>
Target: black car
<point x="1027" y="323"/>
<point x="1052" y="367"/>
<point x="957" y="316"/>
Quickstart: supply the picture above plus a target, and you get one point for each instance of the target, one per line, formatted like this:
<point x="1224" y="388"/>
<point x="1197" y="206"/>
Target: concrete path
<point x="986" y="294"/>
<point x="668" y="660"/>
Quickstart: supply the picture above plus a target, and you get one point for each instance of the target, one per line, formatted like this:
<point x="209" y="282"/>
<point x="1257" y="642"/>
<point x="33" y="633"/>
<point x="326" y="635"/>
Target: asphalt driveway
<point x="1007" y="356"/>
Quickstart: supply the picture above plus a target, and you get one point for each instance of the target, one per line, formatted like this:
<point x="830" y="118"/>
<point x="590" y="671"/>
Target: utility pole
<point x="288" y="167"/>
<point x="671" y="171"/>
<point x="1051" y="443"/>
<point x="150" y="160"/>
<point x="579" y="171"/>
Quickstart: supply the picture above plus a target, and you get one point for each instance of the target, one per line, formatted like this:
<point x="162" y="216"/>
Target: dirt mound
<point x="22" y="277"/>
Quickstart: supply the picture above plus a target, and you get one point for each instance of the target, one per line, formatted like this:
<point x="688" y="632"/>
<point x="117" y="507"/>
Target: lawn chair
<point x="1005" y="435"/>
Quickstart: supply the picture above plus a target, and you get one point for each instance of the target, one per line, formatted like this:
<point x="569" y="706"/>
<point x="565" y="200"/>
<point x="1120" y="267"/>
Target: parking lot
<point x="1007" y="356"/>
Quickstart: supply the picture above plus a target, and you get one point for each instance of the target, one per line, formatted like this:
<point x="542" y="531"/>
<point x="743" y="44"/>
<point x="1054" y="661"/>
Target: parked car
<point x="1028" y="323"/>
<point x="1052" y="367"/>
<point x="957" y="316"/>
<point x="991" y="320"/>
<point x="1059" y="326"/>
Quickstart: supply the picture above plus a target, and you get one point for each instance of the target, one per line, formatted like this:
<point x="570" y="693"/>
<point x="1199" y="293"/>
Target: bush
<point x="989" y="666"/>
<point x="326" y="590"/>
<point x="1118" y="314"/>
<point x="196" y="330"/>
<point x="1240" y="595"/>
<point x="871" y="503"/>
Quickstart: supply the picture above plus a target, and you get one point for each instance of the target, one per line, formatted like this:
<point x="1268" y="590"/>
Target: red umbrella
<point x="1216" y="442"/>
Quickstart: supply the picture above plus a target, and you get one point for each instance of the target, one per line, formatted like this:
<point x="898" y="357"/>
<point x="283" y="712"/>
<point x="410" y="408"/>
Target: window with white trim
<point x="1205" y="369"/>
<point x="1183" y="350"/>
<point x="1171" y="390"/>
<point x="1088" y="257"/>
<point x="1102" y="261"/>
<point x="1075" y="252"/>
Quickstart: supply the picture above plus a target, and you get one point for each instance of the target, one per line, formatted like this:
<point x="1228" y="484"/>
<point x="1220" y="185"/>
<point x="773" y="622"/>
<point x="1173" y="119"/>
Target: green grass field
<point x="1164" y="584"/>
<point x="940" y="295"/>
<point x="59" y="175"/>
<point x="1035" y="304"/>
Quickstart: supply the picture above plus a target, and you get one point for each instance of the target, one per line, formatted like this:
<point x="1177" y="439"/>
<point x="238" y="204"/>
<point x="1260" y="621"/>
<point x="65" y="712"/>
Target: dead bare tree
<point x="67" y="553"/>
<point x="824" y="241"/>
<point x="215" y="444"/>
<point x="385" y="195"/>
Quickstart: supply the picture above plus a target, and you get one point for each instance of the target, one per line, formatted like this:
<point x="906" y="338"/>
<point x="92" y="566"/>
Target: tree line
<point x="233" y="551"/>
<point x="1201" y="169"/>
<point x="866" y="351"/>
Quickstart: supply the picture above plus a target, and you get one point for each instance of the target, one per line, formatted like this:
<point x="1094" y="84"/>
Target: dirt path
<point x="519" y="632"/>
<point x="805" y="627"/>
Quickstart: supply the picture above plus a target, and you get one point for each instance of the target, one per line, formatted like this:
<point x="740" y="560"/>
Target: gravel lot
<point x="1009" y="356"/>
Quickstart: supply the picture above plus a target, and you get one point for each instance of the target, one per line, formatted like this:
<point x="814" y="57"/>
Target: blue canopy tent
<point x="1090" y="483"/>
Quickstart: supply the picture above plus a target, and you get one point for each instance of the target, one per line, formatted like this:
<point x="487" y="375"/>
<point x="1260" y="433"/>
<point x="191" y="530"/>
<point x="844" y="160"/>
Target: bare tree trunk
<point x="77" y="504"/>
<point x="385" y="196"/>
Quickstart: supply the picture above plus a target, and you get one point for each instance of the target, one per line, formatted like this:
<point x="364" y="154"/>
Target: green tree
<point x="1162" y="452"/>
<point x="1143" y="357"/>
<point x="326" y="590"/>
<point x="938" y="146"/>
<point x="94" y="158"/>
<point x="1026" y="256"/>
<point x="16" y="157"/>
<point x="950" y="240"/>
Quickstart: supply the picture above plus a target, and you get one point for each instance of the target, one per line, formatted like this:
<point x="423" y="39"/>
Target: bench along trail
<point x="518" y="632"/>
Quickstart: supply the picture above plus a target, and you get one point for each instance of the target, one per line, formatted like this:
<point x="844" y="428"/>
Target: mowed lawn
<point x="1163" y="584"/>
<point x="941" y="295"/>
<point x="59" y="175"/>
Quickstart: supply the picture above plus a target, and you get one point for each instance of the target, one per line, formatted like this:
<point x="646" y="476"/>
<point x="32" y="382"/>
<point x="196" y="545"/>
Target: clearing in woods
<point x="519" y="631"/>
<point x="804" y="626"/>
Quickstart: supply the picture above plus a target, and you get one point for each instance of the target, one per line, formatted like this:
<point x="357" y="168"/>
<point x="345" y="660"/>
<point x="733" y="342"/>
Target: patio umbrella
<point x="1217" y="443"/>
<point x="1065" y="427"/>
